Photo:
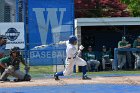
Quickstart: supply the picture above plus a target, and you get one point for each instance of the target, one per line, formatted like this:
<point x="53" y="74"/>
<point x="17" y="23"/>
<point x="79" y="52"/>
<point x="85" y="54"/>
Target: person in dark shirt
<point x="136" y="44"/>
<point x="122" y="54"/>
<point x="11" y="64"/>
<point x="106" y="57"/>
<point x="90" y="57"/>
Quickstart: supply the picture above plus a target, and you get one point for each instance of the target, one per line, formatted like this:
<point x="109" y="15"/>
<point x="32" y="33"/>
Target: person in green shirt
<point x="90" y="57"/>
<point x="136" y="44"/>
<point x="106" y="57"/>
<point x="11" y="64"/>
<point x="122" y="54"/>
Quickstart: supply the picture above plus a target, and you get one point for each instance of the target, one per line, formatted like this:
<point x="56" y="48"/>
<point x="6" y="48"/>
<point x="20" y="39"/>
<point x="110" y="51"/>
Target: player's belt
<point x="71" y="57"/>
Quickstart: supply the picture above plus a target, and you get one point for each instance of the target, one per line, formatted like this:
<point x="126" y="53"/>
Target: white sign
<point x="14" y="33"/>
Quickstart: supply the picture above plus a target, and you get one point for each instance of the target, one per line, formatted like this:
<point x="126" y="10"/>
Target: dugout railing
<point x="116" y="50"/>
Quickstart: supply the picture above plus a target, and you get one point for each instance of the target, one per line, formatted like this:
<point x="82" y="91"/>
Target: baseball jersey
<point x="89" y="56"/>
<point x="135" y="44"/>
<point x="5" y="60"/>
<point x="106" y="55"/>
<point x="122" y="44"/>
<point x="10" y="61"/>
<point x="71" y="50"/>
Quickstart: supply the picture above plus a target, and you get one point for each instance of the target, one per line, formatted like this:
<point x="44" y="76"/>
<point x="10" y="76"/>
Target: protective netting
<point x="11" y="10"/>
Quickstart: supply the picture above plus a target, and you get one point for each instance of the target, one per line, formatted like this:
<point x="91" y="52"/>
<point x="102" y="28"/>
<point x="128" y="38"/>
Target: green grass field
<point x="40" y="71"/>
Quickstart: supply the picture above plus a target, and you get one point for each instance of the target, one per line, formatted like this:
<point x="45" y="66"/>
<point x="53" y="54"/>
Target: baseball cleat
<point x="56" y="77"/>
<point x="86" y="78"/>
<point x="17" y="80"/>
<point x="4" y="80"/>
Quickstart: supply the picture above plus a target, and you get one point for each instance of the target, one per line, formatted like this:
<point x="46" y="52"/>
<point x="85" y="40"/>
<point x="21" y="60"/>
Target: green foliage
<point x="101" y="8"/>
<point x="133" y="6"/>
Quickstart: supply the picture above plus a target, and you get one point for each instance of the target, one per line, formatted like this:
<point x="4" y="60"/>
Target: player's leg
<point x="97" y="63"/>
<point x="1" y="70"/>
<point x="6" y="73"/>
<point x="68" y="69"/>
<point x="112" y="63"/>
<point x="81" y="62"/>
<point x="123" y="57"/>
<point x="56" y="75"/>
<point x="119" y="60"/>
<point x="20" y="76"/>
<point x="103" y="63"/>
<point x="135" y="64"/>
<point x="89" y="65"/>
<point x="138" y="61"/>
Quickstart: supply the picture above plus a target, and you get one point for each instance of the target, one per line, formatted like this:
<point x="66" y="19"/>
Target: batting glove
<point x="81" y="47"/>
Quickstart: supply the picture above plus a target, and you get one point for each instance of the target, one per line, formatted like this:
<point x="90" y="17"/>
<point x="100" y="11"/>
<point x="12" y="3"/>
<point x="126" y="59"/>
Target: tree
<point x="133" y="6"/>
<point x="100" y="8"/>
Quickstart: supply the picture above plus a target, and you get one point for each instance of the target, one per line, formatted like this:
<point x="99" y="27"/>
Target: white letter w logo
<point x="52" y="20"/>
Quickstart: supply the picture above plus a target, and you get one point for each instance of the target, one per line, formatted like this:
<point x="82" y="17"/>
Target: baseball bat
<point x="43" y="46"/>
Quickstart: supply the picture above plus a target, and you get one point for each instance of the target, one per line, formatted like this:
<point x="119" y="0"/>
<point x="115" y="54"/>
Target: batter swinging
<point x="72" y="59"/>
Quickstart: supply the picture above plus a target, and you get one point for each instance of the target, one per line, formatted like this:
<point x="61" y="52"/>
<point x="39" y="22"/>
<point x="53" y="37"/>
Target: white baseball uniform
<point x="72" y="59"/>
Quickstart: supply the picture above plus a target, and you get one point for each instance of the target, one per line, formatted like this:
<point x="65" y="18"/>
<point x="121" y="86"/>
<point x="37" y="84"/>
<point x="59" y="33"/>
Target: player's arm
<point x="2" y="65"/>
<point x="119" y="46"/>
<point x="62" y="43"/>
<point x="52" y="44"/>
<point x="127" y="45"/>
<point x="26" y="68"/>
<point x="23" y="61"/>
<point x="4" y="61"/>
<point x="81" y="47"/>
<point x="137" y="46"/>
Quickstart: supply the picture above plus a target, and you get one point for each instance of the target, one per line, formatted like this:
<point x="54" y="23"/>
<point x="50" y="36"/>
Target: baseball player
<point x="136" y="44"/>
<point x="122" y="54"/>
<point x="2" y="49"/>
<point x="72" y="59"/>
<point x="106" y="58"/>
<point x="90" y="57"/>
<point x="12" y="66"/>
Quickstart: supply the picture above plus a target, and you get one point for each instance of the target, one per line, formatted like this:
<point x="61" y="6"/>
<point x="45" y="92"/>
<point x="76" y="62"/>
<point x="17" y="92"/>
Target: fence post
<point x="115" y="59"/>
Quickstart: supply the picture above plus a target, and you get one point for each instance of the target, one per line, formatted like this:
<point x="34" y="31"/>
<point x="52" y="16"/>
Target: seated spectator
<point x="122" y="54"/>
<point x="136" y="44"/>
<point x="90" y="57"/>
<point x="106" y="57"/>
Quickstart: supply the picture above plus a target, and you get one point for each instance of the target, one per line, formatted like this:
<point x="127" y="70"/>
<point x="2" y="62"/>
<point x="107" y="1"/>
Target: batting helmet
<point x="72" y="39"/>
<point x="15" y="49"/>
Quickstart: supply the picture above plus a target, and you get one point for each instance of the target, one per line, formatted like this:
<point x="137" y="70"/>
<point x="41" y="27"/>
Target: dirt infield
<point x="131" y="80"/>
